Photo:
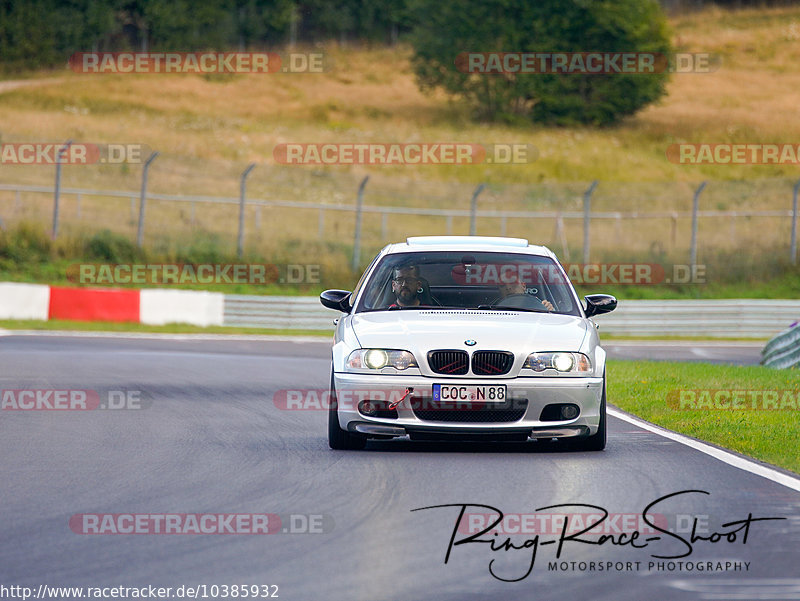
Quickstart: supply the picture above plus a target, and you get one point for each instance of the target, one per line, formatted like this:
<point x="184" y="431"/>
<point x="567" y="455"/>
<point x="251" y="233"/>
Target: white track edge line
<point x="166" y="336"/>
<point x="724" y="456"/>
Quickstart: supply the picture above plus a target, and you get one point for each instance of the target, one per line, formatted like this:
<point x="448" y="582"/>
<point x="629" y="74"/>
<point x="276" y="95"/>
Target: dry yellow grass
<point x="209" y="129"/>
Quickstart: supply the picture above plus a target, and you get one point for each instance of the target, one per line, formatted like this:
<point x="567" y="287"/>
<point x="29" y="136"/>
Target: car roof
<point x="469" y="243"/>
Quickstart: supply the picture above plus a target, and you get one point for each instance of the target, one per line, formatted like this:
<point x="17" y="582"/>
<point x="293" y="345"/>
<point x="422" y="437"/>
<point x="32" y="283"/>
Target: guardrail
<point x="278" y="312"/>
<point x="743" y="318"/>
<point x="784" y="350"/>
<point x="739" y="318"/>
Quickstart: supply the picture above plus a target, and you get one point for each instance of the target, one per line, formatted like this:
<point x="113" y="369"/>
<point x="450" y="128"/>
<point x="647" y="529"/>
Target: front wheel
<point x="339" y="439"/>
<point x="596" y="442"/>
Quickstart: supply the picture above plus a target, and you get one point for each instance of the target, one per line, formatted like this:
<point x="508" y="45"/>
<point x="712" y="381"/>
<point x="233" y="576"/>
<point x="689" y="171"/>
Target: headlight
<point x="377" y="358"/>
<point x="561" y="362"/>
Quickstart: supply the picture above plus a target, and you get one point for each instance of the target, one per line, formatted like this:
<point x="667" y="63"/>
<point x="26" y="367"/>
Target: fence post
<point x="794" y="222"/>
<point x="587" y="204"/>
<point x="674" y="229"/>
<point x="142" y="199"/>
<point x="242" y="190"/>
<point x="562" y="236"/>
<point x="473" y="211"/>
<point x="357" y="239"/>
<point x="695" y="205"/>
<point x="57" y="192"/>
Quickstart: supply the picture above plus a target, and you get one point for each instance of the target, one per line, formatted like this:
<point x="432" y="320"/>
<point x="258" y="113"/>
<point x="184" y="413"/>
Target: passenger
<point x="515" y="287"/>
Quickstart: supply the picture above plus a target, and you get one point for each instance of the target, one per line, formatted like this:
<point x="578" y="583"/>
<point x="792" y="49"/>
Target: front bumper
<point x="530" y="393"/>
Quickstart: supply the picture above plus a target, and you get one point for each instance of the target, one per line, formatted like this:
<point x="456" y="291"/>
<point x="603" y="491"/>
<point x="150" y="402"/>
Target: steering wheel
<point x="522" y="301"/>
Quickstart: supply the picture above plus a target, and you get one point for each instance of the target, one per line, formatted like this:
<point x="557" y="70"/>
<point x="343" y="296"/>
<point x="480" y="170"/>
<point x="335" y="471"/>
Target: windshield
<point x="459" y="280"/>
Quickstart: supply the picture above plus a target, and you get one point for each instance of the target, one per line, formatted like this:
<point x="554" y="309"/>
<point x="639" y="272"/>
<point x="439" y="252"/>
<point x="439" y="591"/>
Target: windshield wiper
<point x="420" y="307"/>
<point x="406" y="308"/>
<point x="509" y="308"/>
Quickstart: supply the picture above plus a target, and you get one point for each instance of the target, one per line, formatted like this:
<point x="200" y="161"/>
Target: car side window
<point x="362" y="280"/>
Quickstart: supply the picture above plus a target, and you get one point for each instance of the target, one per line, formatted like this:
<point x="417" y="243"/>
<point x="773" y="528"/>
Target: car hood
<point x="420" y="331"/>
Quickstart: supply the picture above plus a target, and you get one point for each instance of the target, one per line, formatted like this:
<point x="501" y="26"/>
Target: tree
<point x="443" y="30"/>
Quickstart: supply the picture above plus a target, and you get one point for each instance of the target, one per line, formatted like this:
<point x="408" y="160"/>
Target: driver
<point x="406" y="286"/>
<point x="515" y="287"/>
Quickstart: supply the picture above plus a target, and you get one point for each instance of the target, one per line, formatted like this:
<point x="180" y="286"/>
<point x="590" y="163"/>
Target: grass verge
<point x="27" y="254"/>
<point x="180" y="328"/>
<point x="171" y="328"/>
<point x="606" y="337"/>
<point x="651" y="390"/>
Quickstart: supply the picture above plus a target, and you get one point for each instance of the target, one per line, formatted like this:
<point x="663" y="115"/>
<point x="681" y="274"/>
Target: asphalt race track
<point x="208" y="438"/>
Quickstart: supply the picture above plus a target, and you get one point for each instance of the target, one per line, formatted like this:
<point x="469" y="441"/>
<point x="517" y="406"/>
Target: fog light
<point x="569" y="411"/>
<point x="368" y="408"/>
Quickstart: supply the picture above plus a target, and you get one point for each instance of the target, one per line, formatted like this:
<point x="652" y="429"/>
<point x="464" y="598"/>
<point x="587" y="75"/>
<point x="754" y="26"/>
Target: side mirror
<point x="597" y="304"/>
<point x="338" y="300"/>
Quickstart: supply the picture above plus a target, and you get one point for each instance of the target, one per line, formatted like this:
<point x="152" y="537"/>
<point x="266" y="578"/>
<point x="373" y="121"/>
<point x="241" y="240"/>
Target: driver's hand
<point x="548" y="305"/>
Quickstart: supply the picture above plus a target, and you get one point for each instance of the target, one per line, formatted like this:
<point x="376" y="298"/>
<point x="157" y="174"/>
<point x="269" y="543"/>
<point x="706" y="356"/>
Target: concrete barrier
<point x="149" y="306"/>
<point x="24" y="301"/>
<point x="161" y="306"/>
<point x="94" y="304"/>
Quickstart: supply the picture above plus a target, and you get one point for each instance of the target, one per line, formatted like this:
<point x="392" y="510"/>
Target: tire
<point x="596" y="442"/>
<point x="339" y="439"/>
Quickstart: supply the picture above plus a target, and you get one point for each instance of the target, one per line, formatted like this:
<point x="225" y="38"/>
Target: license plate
<point x="456" y="392"/>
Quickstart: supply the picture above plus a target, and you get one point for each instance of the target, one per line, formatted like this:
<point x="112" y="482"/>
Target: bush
<point x="114" y="248"/>
<point x="444" y="30"/>
<point x="204" y="247"/>
<point x="26" y="243"/>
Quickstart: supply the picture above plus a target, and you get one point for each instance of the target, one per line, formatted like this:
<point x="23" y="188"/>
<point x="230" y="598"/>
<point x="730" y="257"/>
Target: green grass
<point x="616" y="337"/>
<point x="172" y="328"/>
<point x="27" y="254"/>
<point x="648" y="389"/>
<point x="176" y="328"/>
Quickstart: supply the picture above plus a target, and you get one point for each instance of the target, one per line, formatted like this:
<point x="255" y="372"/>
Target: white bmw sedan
<point x="467" y="338"/>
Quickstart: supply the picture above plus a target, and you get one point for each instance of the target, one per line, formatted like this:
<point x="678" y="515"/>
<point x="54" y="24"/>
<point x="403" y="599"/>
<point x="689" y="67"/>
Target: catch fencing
<point x="578" y="221"/>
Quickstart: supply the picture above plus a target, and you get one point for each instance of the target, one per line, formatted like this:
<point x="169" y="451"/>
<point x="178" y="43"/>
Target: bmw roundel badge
<point x="470" y="342"/>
